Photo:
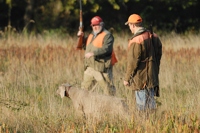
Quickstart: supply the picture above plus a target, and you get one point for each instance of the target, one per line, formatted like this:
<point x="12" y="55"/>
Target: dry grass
<point x="32" y="68"/>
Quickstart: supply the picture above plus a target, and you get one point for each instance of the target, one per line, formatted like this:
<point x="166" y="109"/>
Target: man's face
<point x="131" y="27"/>
<point x="96" y="28"/>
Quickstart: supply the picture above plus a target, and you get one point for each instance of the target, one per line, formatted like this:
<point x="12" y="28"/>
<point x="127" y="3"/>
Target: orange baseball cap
<point x="134" y="18"/>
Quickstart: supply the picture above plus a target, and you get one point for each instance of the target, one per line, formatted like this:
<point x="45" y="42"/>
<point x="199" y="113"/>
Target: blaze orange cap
<point x="134" y="18"/>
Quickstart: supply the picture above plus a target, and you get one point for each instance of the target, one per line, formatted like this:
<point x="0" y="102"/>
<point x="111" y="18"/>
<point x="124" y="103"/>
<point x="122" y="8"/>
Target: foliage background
<point x="166" y="15"/>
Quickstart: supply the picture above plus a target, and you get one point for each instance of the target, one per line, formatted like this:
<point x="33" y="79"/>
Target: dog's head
<point x="63" y="90"/>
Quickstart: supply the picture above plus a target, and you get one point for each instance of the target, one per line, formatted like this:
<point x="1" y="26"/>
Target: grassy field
<point x="32" y="68"/>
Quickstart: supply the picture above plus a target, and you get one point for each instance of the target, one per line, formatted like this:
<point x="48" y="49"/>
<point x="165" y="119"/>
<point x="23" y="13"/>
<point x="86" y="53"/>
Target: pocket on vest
<point x="99" y="65"/>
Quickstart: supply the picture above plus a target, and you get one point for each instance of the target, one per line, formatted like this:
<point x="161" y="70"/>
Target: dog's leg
<point x="94" y="87"/>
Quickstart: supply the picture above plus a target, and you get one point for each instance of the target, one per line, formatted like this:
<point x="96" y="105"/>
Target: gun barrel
<point x="81" y="38"/>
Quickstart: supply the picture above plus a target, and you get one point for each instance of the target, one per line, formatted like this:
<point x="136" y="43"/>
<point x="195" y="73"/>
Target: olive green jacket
<point x="102" y="56"/>
<point x="143" y="60"/>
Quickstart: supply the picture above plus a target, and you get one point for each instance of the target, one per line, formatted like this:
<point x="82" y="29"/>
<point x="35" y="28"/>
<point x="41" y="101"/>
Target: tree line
<point x="63" y="15"/>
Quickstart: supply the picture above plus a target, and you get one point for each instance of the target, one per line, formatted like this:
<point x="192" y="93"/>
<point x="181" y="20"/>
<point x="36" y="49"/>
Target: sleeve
<point x="133" y="59"/>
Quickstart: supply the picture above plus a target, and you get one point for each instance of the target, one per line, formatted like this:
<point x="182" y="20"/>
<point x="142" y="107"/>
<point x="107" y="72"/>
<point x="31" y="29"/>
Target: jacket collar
<point x="138" y="32"/>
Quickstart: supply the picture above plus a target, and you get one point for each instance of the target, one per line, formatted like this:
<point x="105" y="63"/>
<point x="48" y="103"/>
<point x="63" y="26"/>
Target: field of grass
<point x="32" y="68"/>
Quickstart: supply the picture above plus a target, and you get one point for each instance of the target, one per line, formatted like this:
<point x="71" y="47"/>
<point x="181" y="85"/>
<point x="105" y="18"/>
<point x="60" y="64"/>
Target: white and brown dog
<point x="91" y="104"/>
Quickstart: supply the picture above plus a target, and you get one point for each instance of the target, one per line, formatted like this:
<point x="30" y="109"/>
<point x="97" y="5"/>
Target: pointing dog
<point x="94" y="105"/>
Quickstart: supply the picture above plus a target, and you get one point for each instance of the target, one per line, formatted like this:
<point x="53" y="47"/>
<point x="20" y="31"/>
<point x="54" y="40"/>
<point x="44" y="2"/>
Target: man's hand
<point x="88" y="55"/>
<point x="80" y="33"/>
<point x="126" y="83"/>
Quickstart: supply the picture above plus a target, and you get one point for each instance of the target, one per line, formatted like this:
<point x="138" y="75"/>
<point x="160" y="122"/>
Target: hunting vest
<point x="101" y="64"/>
<point x="98" y="41"/>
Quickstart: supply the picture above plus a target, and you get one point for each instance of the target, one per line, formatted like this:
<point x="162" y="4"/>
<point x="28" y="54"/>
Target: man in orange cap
<point x="99" y="57"/>
<point x="143" y="62"/>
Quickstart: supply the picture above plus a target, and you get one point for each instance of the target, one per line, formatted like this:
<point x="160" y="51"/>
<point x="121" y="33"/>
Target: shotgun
<point x="81" y="37"/>
<point x="156" y="89"/>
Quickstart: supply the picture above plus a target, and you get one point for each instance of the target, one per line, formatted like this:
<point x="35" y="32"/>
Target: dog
<point x="93" y="105"/>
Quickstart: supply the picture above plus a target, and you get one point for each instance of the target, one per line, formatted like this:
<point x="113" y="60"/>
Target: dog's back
<point x="92" y="104"/>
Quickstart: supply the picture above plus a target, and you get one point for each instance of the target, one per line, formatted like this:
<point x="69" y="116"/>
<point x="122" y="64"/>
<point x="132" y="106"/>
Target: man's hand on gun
<point x="87" y="55"/>
<point x="80" y="33"/>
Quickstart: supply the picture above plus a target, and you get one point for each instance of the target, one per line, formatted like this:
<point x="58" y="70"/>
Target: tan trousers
<point x="103" y="79"/>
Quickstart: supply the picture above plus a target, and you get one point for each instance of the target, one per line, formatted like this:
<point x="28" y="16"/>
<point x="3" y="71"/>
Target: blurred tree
<point x="165" y="15"/>
<point x="9" y="2"/>
<point x="29" y="15"/>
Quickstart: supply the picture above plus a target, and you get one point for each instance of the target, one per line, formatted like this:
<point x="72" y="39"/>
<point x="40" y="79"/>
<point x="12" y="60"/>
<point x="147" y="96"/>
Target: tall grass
<point x="32" y="67"/>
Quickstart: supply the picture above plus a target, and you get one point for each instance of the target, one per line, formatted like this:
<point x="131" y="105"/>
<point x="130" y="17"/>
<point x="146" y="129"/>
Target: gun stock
<point x="80" y="43"/>
<point x="156" y="89"/>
